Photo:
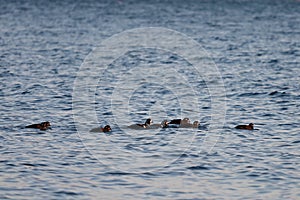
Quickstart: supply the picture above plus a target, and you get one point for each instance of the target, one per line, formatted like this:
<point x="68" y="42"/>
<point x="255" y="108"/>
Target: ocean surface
<point x="66" y="62"/>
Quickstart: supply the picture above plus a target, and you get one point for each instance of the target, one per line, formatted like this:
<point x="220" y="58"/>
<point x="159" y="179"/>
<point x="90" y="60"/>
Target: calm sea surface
<point x="255" y="47"/>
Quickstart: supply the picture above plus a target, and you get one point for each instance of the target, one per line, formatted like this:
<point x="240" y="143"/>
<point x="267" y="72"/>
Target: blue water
<point x="255" y="47"/>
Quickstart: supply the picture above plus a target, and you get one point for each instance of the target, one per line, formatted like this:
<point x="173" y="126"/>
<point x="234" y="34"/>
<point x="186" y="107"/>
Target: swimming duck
<point x="147" y="124"/>
<point x="164" y="124"/>
<point x="245" y="127"/>
<point x="180" y="123"/>
<point x="42" y="126"/>
<point x="105" y="129"/>
<point x="195" y="124"/>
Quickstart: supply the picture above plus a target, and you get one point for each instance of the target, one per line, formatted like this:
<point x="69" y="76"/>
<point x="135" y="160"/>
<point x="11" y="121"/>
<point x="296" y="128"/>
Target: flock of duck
<point x="174" y="123"/>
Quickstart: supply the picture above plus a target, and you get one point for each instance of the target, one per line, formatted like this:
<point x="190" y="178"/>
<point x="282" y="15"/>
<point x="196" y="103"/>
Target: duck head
<point x="45" y="125"/>
<point x="251" y="125"/>
<point x="185" y="121"/>
<point x="107" y="128"/>
<point x="164" y="124"/>
<point x="148" y="122"/>
<point x="196" y="124"/>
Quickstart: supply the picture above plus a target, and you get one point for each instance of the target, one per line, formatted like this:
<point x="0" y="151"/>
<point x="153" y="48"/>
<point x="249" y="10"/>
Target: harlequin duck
<point x="246" y="127"/>
<point x="105" y="129"/>
<point x="180" y="123"/>
<point x="147" y="124"/>
<point x="164" y="124"/>
<point x="195" y="124"/>
<point x="42" y="126"/>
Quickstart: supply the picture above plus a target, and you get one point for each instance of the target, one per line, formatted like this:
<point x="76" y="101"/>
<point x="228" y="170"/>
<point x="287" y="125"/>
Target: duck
<point x="195" y="124"/>
<point x="164" y="124"/>
<point x="42" y="126"/>
<point x="245" y="127"/>
<point x="104" y="129"/>
<point x="180" y="123"/>
<point x="147" y="124"/>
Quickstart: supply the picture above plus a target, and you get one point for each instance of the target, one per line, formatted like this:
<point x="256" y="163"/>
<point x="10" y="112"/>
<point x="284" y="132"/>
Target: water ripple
<point x="255" y="47"/>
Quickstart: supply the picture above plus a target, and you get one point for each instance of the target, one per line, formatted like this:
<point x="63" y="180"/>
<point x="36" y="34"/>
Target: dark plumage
<point x="42" y="126"/>
<point x="146" y="124"/>
<point x="175" y="121"/>
<point x="164" y="124"/>
<point x="179" y="123"/>
<point x="105" y="129"/>
<point x="246" y="127"/>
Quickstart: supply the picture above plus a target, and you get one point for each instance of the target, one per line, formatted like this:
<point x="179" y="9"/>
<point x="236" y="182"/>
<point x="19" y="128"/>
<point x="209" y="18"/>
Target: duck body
<point x="195" y="124"/>
<point x="175" y="121"/>
<point x="245" y="127"/>
<point x="104" y="129"/>
<point x="147" y="124"/>
<point x="180" y="123"/>
<point x="42" y="126"/>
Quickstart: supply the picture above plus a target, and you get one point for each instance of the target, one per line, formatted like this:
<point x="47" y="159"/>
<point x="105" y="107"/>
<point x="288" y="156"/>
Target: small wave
<point x="199" y="167"/>
<point x="118" y="173"/>
<point x="34" y="165"/>
<point x="63" y="192"/>
<point x="296" y="142"/>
